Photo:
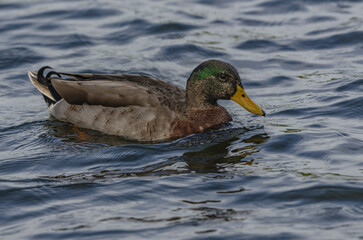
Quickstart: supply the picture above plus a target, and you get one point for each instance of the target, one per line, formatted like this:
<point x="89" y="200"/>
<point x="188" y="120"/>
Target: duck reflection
<point x="232" y="151"/>
<point x="213" y="151"/>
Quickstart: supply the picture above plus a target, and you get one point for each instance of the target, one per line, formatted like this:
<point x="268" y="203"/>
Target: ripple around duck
<point x="130" y="31"/>
<point x="318" y="19"/>
<point x="215" y="2"/>
<point x="335" y="41"/>
<point x="184" y="52"/>
<point x="283" y="143"/>
<point x="131" y="24"/>
<point x="93" y="13"/>
<point x="144" y="28"/>
<point x="279" y="80"/>
<point x="14" y="26"/>
<point x="63" y="41"/>
<point x="170" y="27"/>
<point x="281" y="6"/>
<point x="263" y="46"/>
<point x="276" y="81"/>
<point x="355" y="86"/>
<point x="290" y="64"/>
<point x="253" y="22"/>
<point x="353" y="108"/>
<point x="70" y="41"/>
<point x="51" y="13"/>
<point x="49" y="27"/>
<point x="17" y="56"/>
<point x="189" y="15"/>
<point x="318" y="193"/>
<point x="84" y="13"/>
<point x="326" y="30"/>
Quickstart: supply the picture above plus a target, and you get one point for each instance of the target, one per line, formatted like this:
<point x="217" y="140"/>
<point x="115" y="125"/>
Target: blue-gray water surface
<point x="295" y="174"/>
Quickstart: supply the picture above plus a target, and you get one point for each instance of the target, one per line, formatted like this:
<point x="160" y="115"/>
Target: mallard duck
<point x="140" y="107"/>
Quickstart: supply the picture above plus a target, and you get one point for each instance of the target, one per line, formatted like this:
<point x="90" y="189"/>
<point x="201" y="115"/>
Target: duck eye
<point x="223" y="77"/>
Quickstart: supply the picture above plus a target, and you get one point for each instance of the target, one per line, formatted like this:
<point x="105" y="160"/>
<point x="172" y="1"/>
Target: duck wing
<point x="117" y="90"/>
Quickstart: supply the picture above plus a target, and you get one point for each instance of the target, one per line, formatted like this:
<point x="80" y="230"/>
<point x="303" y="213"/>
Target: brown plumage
<point x="141" y="107"/>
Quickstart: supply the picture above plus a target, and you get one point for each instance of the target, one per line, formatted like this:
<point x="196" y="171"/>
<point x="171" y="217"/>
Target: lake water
<point x="295" y="174"/>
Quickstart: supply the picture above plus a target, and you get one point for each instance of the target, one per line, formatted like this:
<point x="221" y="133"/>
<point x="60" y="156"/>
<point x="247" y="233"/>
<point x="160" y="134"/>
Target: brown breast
<point x="196" y="120"/>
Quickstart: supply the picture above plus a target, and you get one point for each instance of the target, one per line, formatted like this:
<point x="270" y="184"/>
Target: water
<point x="295" y="174"/>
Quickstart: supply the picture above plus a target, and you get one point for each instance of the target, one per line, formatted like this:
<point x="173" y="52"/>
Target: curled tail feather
<point x="44" y="85"/>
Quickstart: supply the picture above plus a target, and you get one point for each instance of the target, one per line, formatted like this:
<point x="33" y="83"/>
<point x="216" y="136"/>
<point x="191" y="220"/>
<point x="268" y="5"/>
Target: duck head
<point x="213" y="80"/>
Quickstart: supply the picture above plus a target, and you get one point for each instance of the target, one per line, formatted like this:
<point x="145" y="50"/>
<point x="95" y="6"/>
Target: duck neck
<point x="196" y="98"/>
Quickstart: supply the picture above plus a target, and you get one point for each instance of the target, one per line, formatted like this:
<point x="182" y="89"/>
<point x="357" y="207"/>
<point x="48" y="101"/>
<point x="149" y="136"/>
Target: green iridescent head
<point x="215" y="80"/>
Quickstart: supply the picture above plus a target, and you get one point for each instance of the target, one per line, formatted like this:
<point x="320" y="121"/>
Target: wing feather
<point x="117" y="90"/>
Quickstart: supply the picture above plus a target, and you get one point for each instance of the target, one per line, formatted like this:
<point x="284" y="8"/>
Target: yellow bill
<point x="242" y="99"/>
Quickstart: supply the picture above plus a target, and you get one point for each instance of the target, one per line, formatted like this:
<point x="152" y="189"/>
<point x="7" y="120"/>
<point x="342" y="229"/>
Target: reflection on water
<point x="206" y="158"/>
<point x="228" y="153"/>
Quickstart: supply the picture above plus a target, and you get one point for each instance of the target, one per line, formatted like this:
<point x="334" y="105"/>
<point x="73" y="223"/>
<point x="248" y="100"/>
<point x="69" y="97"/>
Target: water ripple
<point x="334" y="41"/>
<point x="16" y="56"/>
<point x="294" y="174"/>
<point x="185" y="51"/>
